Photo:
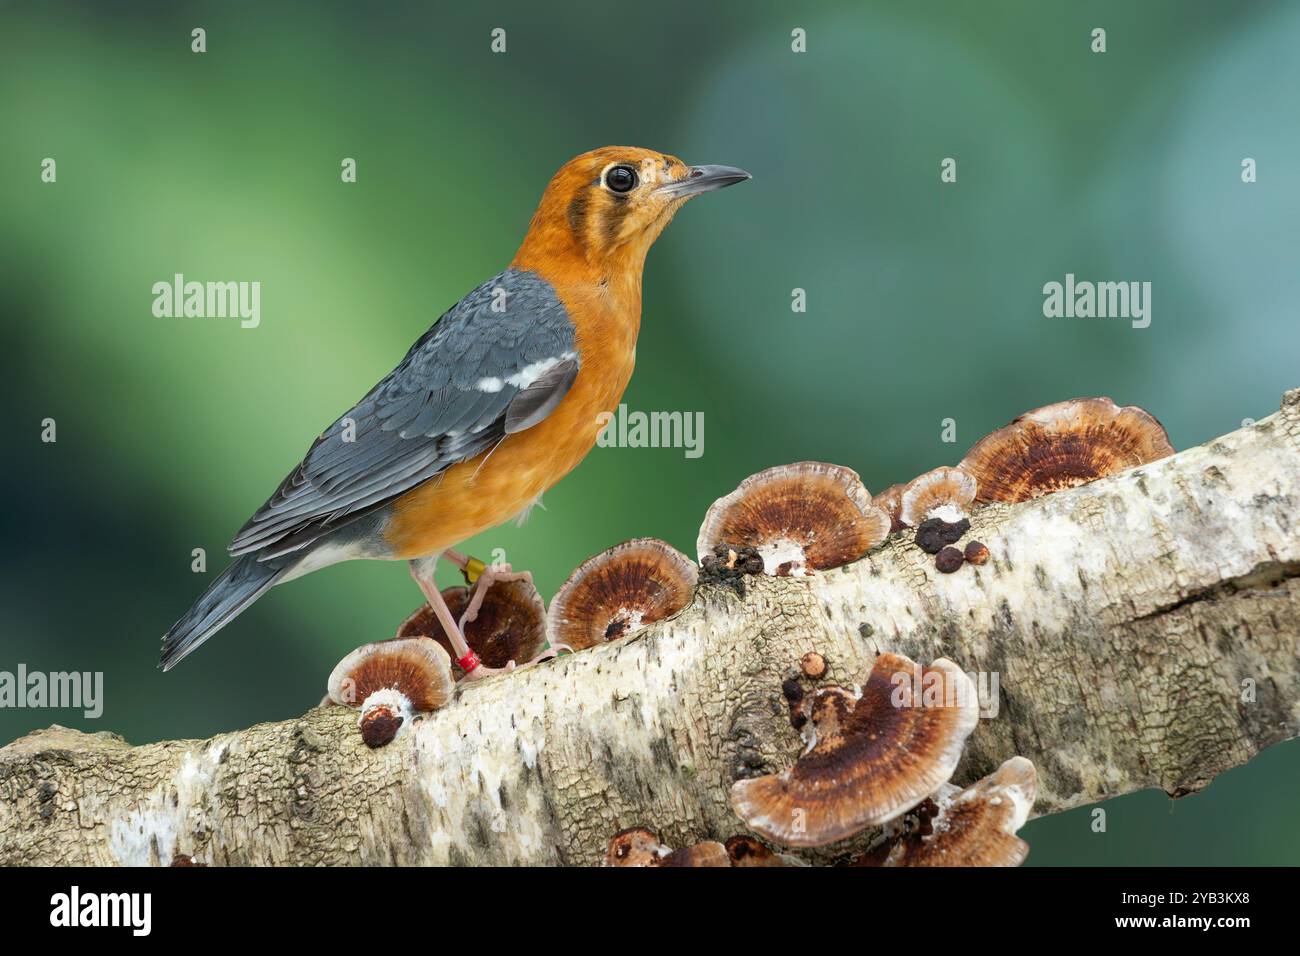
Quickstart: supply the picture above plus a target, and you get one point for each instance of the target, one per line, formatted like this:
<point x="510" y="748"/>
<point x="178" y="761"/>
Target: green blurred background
<point x="924" y="300"/>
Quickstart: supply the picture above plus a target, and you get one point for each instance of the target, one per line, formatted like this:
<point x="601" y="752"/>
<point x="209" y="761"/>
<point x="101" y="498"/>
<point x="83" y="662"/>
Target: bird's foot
<point x="477" y="670"/>
<point x="481" y="577"/>
<point x="466" y="659"/>
<point x="480" y="671"/>
<point x="490" y="575"/>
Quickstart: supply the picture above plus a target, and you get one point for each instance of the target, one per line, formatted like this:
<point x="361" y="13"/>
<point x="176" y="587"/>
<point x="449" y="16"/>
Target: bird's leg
<point x="466" y="659"/>
<point x="470" y="567"/>
<point x="481" y="577"/>
<point x="489" y="576"/>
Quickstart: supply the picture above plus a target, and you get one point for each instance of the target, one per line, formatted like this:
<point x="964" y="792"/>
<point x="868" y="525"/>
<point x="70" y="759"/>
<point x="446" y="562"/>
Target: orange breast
<point x="494" y="487"/>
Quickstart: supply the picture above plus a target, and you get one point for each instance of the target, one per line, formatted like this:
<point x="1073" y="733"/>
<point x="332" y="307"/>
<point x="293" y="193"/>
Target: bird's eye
<point x="621" y="179"/>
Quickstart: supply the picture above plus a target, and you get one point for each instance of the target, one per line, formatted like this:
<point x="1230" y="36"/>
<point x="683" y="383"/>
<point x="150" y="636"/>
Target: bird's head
<point x="607" y="207"/>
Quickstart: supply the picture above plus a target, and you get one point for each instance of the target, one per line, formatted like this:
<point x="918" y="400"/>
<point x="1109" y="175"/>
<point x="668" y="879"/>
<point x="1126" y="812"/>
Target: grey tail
<point x="246" y="580"/>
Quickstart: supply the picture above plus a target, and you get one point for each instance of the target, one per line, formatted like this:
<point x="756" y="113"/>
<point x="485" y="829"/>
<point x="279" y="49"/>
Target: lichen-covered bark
<point x="1144" y="631"/>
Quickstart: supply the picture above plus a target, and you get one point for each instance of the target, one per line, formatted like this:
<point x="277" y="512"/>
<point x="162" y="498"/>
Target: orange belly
<point x="495" y="486"/>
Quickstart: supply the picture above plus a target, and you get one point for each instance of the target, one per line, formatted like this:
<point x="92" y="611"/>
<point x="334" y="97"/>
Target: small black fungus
<point x="728" y="565"/>
<point x="792" y="690"/>
<point x="380" y="727"/>
<point x="949" y="560"/>
<point x="617" y="628"/>
<point x="934" y="533"/>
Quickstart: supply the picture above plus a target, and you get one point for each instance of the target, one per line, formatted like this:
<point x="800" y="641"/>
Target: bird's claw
<point x="482" y="670"/>
<point x="491" y="575"/>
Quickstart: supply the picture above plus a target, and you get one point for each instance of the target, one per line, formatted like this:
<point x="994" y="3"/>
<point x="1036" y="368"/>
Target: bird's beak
<point x="703" y="179"/>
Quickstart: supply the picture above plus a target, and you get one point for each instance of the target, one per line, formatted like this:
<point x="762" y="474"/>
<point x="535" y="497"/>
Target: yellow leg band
<point x="473" y="568"/>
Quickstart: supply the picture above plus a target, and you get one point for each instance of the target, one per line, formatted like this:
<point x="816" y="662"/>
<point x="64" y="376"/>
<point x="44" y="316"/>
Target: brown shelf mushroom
<point x="746" y="851"/>
<point x="972" y="827"/>
<point x="510" y="624"/>
<point x="391" y="681"/>
<point x="635" y="846"/>
<point x="706" y="853"/>
<point x="869" y="758"/>
<point x="620" y="591"/>
<point x="1062" y="446"/>
<point x="640" y="846"/>
<point x="808" y="516"/>
<point x="890" y="501"/>
<point x="944" y="493"/>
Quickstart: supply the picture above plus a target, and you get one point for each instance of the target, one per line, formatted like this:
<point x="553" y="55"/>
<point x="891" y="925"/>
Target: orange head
<point x="604" y="209"/>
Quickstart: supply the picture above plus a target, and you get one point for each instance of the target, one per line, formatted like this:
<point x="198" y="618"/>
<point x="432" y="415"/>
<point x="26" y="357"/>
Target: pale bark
<point x="1127" y="621"/>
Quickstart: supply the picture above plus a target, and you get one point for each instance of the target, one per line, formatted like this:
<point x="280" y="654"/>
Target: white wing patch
<point x="525" y="376"/>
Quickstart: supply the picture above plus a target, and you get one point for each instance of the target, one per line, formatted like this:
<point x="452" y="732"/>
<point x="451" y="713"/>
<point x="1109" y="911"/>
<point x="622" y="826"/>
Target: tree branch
<point x="1129" y="623"/>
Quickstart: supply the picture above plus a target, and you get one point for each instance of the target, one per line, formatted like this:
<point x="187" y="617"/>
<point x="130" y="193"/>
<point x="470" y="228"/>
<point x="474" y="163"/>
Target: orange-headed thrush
<point x="493" y="405"/>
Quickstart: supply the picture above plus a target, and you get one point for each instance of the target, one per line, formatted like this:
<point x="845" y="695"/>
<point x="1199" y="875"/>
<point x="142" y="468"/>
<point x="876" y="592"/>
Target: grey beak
<point x="704" y="179"/>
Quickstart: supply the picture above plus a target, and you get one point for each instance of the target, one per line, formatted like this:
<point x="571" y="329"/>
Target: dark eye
<point x="620" y="179"/>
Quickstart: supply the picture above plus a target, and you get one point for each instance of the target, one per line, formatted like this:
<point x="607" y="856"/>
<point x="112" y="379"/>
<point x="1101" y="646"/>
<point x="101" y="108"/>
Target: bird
<point x="502" y="397"/>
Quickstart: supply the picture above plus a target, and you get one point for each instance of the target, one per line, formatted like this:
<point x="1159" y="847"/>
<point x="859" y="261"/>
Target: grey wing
<point x="538" y="399"/>
<point x="498" y="362"/>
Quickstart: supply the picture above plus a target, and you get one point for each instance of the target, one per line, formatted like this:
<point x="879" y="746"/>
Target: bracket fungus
<point x="620" y="591"/>
<point x="890" y="501"/>
<point x="1062" y="446"/>
<point x="391" y="681"/>
<point x="808" y="516"/>
<point x="869" y="757"/>
<point x="705" y="853"/>
<point x="635" y="846"/>
<point x="510" y="624"/>
<point x="640" y="846"/>
<point x="747" y="852"/>
<point x="944" y="493"/>
<point x="971" y="827"/>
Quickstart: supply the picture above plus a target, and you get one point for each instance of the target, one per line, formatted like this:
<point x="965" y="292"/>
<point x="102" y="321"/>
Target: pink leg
<point x="470" y="567"/>
<point x="489" y="575"/>
<point x="422" y="572"/>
